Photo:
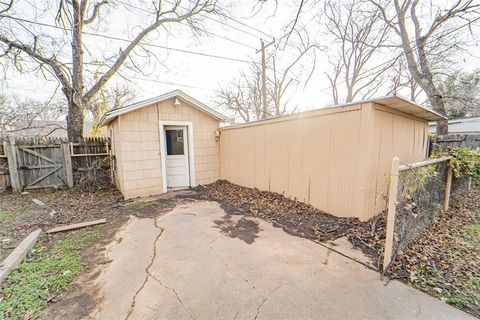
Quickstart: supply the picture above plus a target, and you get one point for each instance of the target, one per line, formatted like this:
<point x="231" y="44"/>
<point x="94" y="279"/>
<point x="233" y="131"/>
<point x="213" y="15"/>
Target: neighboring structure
<point x="167" y="142"/>
<point x="37" y="129"/>
<point x="337" y="159"/>
<point x="466" y="125"/>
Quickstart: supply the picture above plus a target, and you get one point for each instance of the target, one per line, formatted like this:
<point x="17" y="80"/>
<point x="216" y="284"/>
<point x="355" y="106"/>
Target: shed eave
<point x="404" y="105"/>
<point x="109" y="116"/>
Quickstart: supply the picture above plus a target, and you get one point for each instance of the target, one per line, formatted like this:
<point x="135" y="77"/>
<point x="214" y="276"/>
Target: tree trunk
<point x="438" y="106"/>
<point x="76" y="103"/>
<point x="74" y="121"/>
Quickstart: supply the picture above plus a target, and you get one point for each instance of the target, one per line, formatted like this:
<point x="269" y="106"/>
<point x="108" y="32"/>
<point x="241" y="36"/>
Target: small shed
<point x="167" y="142"/>
<point x="337" y="159"/>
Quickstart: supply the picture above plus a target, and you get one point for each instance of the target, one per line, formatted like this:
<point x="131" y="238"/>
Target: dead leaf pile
<point x="295" y="217"/>
<point x="444" y="260"/>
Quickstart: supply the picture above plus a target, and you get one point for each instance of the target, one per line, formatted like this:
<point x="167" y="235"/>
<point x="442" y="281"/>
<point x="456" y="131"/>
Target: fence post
<point x="392" y="202"/>
<point x="11" y="152"/>
<point x="448" y="187"/>
<point x="469" y="183"/>
<point x="67" y="164"/>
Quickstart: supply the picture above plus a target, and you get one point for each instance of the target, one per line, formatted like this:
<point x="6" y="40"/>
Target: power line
<point x="129" y="41"/>
<point x="230" y="26"/>
<point x="185" y="24"/>
<point x="173" y="84"/>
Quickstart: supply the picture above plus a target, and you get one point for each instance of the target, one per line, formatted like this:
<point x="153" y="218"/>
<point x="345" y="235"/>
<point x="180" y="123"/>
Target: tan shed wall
<point x="334" y="159"/>
<point x="138" y="154"/>
<point x="114" y="129"/>
<point x="396" y="134"/>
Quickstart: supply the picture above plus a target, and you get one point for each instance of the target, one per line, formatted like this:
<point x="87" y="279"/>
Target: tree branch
<point x="96" y="9"/>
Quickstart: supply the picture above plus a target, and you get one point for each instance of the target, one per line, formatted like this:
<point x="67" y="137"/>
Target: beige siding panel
<point x="336" y="161"/>
<point x="138" y="152"/>
<point x="400" y="135"/>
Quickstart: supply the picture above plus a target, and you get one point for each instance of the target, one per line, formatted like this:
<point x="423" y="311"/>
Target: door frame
<point x="191" y="154"/>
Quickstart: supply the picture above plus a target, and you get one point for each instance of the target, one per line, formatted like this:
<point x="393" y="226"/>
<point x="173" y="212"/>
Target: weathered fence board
<point x="31" y="164"/>
<point x="468" y="140"/>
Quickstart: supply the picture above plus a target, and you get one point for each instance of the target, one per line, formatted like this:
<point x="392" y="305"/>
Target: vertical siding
<point x="311" y="157"/>
<point x="396" y="134"/>
<point x="138" y="147"/>
<point x="338" y="159"/>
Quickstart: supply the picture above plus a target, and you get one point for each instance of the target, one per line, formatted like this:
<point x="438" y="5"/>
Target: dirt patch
<point x="19" y="215"/>
<point x="151" y="208"/>
<point x="444" y="261"/>
<point x="78" y="302"/>
<point x="243" y="229"/>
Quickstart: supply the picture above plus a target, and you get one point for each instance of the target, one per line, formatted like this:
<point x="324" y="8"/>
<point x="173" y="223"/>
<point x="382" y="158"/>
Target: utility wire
<point x="129" y="41"/>
<point x="186" y="24"/>
<point x="172" y="83"/>
<point x="228" y="25"/>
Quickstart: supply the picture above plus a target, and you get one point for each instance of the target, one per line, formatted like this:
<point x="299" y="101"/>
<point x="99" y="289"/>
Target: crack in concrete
<point x="263" y="301"/>
<point x="147" y="269"/>
<point x="175" y="292"/>
<point x="328" y="256"/>
<point x="150" y="275"/>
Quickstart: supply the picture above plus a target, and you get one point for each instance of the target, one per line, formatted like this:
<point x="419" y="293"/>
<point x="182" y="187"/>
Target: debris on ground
<point x="19" y="215"/>
<point x="444" y="261"/>
<point x="297" y="218"/>
<point x="39" y="203"/>
<point x="76" y="226"/>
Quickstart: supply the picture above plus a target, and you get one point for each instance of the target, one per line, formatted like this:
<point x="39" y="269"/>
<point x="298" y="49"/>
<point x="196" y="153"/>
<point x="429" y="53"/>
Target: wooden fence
<point x="468" y="140"/>
<point x="31" y="163"/>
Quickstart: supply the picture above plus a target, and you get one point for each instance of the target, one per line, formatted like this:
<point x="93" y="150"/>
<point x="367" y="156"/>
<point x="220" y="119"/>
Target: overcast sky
<point x="195" y="74"/>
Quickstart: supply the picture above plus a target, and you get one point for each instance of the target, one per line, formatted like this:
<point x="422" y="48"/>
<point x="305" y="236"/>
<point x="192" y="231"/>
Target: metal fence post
<point x="392" y="202"/>
<point x="11" y="152"/>
<point x="448" y="187"/>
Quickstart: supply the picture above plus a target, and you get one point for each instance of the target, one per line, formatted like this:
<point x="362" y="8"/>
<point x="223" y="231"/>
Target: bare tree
<point x="243" y="95"/>
<point x="18" y="39"/>
<point x="18" y="114"/>
<point x="358" y="35"/>
<point x="401" y="80"/>
<point x="107" y="99"/>
<point x="461" y="92"/>
<point x="429" y="35"/>
<point x="291" y="75"/>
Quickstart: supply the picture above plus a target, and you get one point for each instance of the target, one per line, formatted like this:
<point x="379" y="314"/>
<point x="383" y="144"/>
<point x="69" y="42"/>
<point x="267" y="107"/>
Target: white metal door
<point x="177" y="166"/>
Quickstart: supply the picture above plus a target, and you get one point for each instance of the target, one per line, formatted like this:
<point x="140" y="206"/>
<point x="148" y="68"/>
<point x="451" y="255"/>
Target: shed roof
<point x="394" y="102"/>
<point x="112" y="114"/>
<point x="404" y="105"/>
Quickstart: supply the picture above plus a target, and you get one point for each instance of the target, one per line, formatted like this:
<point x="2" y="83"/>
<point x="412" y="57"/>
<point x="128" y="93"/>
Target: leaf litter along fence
<point x="418" y="194"/>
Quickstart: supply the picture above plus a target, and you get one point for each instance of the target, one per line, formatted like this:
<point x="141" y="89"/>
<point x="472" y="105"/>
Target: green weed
<point x="47" y="272"/>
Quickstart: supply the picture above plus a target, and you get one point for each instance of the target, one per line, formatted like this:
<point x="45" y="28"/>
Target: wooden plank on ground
<point x="18" y="254"/>
<point x="76" y="226"/>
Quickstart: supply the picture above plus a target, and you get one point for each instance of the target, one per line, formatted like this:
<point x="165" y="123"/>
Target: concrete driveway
<point x="196" y="262"/>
